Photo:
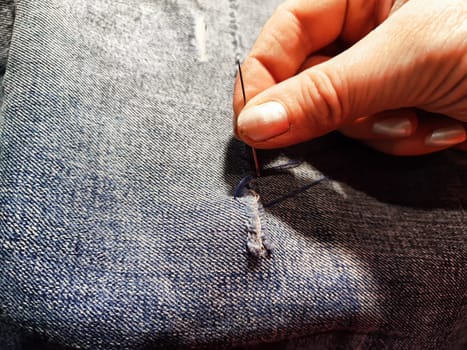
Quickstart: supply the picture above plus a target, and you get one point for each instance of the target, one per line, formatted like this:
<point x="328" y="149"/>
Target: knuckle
<point x="322" y="105"/>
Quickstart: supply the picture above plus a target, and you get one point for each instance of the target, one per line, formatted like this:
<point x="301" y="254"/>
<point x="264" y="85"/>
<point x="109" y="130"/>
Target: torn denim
<point x="119" y="227"/>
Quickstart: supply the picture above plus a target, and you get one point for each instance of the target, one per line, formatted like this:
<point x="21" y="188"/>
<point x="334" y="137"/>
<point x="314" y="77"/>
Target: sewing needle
<point x="255" y="157"/>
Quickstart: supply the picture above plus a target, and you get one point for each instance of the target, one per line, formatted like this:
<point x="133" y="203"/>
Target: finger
<point x="301" y="27"/>
<point x="296" y="29"/>
<point x="383" y="126"/>
<point x="312" y="61"/>
<point x="372" y="76"/>
<point x="462" y="146"/>
<point x="432" y="135"/>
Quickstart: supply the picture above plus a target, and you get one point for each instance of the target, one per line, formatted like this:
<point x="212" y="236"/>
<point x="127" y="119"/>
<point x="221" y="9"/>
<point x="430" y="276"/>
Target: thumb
<point x="376" y="74"/>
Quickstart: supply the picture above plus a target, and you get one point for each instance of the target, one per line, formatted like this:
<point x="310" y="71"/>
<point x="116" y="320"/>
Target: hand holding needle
<point x="255" y="156"/>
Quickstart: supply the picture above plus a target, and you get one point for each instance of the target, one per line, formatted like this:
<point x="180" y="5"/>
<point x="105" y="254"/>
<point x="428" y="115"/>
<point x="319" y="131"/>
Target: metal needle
<point x="255" y="157"/>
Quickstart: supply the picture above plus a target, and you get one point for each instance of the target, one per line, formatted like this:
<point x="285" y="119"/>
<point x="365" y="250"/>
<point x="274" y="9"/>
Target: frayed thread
<point x="258" y="244"/>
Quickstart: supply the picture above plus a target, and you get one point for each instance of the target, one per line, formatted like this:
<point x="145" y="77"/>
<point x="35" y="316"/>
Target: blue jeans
<point x="128" y="220"/>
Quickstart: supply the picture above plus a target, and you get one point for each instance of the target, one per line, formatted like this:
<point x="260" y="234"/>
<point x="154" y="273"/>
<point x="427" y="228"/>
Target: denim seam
<point x="233" y="25"/>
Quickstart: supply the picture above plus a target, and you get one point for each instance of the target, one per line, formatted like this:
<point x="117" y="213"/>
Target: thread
<point x="279" y="168"/>
<point x="242" y="186"/>
<point x="293" y="193"/>
<point x="245" y="182"/>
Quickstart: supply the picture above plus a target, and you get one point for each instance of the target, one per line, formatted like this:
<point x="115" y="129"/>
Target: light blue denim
<point x="119" y="227"/>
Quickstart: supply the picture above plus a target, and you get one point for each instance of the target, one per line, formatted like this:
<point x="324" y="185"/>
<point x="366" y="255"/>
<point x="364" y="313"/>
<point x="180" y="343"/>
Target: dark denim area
<point x="119" y="227"/>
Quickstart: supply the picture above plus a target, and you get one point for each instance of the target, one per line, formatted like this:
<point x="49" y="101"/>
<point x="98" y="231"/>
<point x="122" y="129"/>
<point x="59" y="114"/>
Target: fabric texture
<point x="119" y="227"/>
<point x="7" y="8"/>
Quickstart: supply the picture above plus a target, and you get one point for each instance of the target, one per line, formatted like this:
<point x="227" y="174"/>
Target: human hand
<point x="416" y="58"/>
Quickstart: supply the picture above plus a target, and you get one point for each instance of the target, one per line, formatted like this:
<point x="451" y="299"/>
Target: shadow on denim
<point x="425" y="182"/>
<point x="399" y="216"/>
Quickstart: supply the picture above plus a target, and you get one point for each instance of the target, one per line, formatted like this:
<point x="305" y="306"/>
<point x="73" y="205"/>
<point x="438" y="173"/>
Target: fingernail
<point x="446" y="136"/>
<point x="393" y="127"/>
<point x="263" y="122"/>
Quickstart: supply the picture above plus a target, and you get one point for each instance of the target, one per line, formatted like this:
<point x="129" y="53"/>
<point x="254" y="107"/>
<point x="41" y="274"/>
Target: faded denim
<point x="119" y="228"/>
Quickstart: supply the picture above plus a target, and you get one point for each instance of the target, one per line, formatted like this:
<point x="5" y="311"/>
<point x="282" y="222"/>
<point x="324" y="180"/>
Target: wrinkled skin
<point x="389" y="73"/>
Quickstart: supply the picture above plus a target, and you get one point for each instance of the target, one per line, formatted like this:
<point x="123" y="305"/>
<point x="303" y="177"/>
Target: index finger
<point x="296" y="29"/>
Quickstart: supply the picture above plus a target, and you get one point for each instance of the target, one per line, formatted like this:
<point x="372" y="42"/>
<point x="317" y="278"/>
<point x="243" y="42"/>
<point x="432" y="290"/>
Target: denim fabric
<point x="6" y="27"/>
<point x="119" y="228"/>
